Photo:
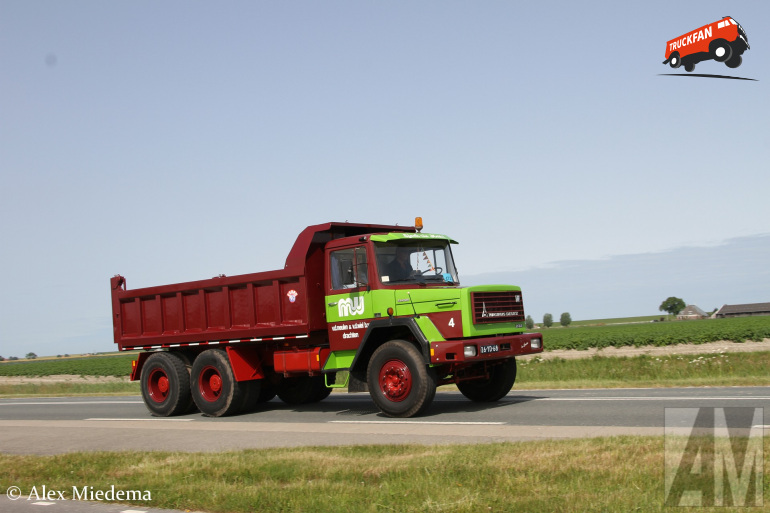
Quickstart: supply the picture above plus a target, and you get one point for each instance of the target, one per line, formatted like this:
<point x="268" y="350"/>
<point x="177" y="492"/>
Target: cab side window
<point x="348" y="268"/>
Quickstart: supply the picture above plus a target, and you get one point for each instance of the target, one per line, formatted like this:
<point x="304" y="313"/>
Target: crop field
<point x="738" y="329"/>
<point x="86" y="366"/>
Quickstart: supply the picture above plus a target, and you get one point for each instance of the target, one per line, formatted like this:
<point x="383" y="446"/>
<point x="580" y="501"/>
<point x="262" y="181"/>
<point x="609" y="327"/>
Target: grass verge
<point x="69" y="389"/>
<point x="608" y="474"/>
<point x="722" y="369"/>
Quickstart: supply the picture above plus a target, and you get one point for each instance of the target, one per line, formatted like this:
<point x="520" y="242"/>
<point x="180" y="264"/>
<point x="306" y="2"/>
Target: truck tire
<point x="266" y="391"/>
<point x="400" y="382"/>
<point x="213" y="385"/>
<point x="165" y="384"/>
<point x="251" y="390"/>
<point x="674" y="60"/>
<point x="720" y="50"/>
<point x="734" y="62"/>
<point x="302" y="390"/>
<point x="500" y="381"/>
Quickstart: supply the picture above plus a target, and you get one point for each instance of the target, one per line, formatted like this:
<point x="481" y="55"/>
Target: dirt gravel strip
<point x="721" y="346"/>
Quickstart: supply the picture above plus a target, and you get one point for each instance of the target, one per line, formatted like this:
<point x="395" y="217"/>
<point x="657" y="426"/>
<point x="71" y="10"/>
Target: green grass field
<point x="618" y="474"/>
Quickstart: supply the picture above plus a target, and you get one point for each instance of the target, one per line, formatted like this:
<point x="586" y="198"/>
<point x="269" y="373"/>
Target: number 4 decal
<point x="452" y="322"/>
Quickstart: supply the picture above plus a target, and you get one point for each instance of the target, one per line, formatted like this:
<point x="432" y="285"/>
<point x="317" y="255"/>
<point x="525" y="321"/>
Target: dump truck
<point x="363" y="306"/>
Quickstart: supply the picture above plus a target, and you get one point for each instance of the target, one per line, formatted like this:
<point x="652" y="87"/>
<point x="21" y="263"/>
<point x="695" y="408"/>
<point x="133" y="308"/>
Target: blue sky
<point x="171" y="141"/>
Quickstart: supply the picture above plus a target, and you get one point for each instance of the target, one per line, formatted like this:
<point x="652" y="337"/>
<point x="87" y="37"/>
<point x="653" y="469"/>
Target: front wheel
<point x="496" y="386"/>
<point x="734" y="62"/>
<point x="400" y="382"/>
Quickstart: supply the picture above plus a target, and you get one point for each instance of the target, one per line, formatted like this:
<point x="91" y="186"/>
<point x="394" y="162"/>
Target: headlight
<point x="469" y="351"/>
<point x="536" y="343"/>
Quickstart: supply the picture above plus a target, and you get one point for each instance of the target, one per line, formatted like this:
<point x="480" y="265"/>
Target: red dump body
<point x="267" y="306"/>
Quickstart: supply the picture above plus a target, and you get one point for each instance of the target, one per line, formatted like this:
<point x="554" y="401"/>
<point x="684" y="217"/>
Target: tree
<point x="672" y="305"/>
<point x="566" y="319"/>
<point x="548" y="320"/>
<point x="529" y="322"/>
<point x="30" y="356"/>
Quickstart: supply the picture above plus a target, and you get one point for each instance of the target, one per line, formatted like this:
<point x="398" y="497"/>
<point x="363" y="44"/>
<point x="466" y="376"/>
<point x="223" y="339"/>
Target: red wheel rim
<point x="210" y="383"/>
<point x="158" y="385"/>
<point x="395" y="380"/>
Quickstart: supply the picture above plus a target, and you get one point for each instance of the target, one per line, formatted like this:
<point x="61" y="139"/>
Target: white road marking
<point x="140" y="420"/>
<point x="672" y="398"/>
<point x="43" y="503"/>
<point x="429" y="422"/>
<point x="71" y="403"/>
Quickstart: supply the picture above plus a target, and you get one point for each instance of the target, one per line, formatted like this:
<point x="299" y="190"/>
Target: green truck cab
<point x="399" y="321"/>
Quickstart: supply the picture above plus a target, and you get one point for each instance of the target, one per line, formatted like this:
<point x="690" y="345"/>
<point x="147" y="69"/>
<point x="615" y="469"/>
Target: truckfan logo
<point x="723" y="41"/>
<point x="350" y="306"/>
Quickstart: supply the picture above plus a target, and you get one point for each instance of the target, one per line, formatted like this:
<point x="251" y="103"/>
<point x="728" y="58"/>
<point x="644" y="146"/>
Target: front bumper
<point x="486" y="349"/>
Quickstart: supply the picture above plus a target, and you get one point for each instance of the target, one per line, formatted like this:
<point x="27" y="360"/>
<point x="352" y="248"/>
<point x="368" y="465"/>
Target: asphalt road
<point x="59" y="425"/>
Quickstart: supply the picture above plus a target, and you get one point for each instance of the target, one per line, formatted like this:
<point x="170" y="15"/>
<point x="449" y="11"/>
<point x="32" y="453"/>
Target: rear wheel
<point x="689" y="67"/>
<point x="213" y="385"/>
<point x="400" y="382"/>
<point x="266" y="391"/>
<point x="495" y="387"/>
<point x="674" y="60"/>
<point x="165" y="385"/>
<point x="251" y="391"/>
<point x="303" y="389"/>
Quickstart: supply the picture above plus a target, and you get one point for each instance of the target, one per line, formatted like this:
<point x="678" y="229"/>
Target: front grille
<point x="491" y="307"/>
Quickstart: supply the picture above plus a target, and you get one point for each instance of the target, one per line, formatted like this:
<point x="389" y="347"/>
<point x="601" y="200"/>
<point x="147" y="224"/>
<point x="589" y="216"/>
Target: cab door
<point x="348" y="299"/>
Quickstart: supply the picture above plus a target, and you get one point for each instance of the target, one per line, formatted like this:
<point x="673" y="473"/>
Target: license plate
<point x="489" y="349"/>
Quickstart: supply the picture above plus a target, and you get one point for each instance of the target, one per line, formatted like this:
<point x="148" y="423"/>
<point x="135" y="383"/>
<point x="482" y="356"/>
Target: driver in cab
<point x="399" y="268"/>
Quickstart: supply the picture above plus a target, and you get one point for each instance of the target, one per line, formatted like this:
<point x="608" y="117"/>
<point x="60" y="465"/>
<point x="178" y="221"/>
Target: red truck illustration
<point x="723" y="41"/>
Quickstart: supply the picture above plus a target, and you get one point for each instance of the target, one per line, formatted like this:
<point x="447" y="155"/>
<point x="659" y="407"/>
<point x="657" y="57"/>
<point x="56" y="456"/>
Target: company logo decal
<point x="724" y="41"/>
<point x="350" y="306"/>
<point x="484" y="312"/>
<point x="292" y="295"/>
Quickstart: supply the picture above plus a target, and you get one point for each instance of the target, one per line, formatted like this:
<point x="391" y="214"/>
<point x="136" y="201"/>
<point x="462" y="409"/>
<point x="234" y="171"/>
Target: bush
<point x="529" y="322"/>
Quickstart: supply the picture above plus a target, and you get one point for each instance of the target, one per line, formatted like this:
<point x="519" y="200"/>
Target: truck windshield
<point x="413" y="261"/>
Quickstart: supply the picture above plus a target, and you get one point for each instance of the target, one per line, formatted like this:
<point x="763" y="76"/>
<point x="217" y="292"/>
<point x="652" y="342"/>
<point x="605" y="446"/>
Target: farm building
<point x="691" y="312"/>
<point x="743" y="310"/>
